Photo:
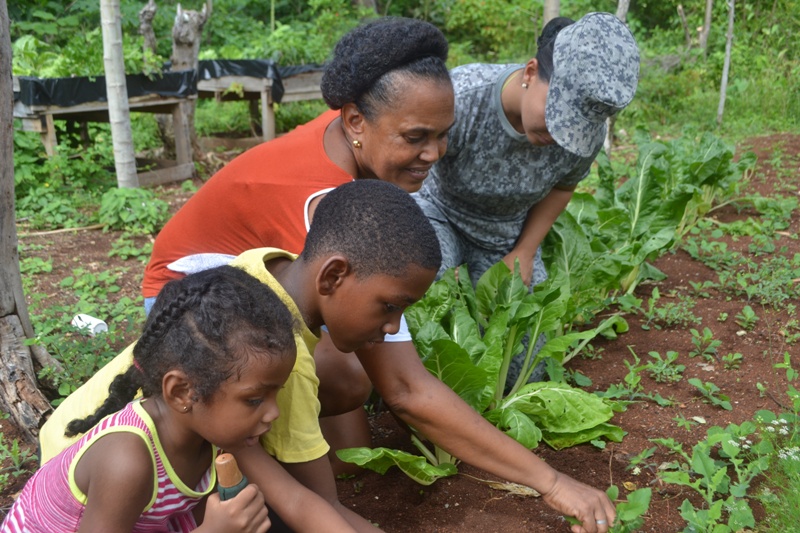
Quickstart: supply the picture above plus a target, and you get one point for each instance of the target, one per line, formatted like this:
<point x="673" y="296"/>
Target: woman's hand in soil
<point x="590" y="506"/>
<point x="246" y="513"/>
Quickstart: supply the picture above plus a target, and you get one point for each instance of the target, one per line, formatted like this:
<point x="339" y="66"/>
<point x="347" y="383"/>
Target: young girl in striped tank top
<point x="214" y="353"/>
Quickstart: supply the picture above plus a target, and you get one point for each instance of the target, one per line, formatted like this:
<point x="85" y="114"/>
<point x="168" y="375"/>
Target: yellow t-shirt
<point x="295" y="436"/>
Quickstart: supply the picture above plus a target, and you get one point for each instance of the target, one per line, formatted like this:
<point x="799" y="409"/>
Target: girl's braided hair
<point x="208" y="325"/>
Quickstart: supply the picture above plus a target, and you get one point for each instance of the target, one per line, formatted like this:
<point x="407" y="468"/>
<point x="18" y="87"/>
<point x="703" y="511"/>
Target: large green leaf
<point x="381" y="459"/>
<point x="559" y="408"/>
<point x="453" y="366"/>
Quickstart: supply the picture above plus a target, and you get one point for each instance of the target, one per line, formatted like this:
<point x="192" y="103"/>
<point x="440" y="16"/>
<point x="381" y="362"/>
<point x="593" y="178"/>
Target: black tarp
<point x="68" y="92"/>
<point x="254" y="68"/>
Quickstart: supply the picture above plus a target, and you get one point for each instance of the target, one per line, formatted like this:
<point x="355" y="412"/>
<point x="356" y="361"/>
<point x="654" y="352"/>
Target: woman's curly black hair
<point x="368" y="62"/>
<point x="208" y="325"/>
<point x="545" y="44"/>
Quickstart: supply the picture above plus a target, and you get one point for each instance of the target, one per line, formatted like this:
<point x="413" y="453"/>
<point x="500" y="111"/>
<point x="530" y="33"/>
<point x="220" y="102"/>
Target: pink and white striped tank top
<point x="51" y="501"/>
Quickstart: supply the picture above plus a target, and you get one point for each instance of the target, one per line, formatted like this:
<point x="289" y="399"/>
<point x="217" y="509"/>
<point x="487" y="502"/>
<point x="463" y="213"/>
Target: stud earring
<point x="356" y="143"/>
<point x="524" y="85"/>
<point x="185" y="408"/>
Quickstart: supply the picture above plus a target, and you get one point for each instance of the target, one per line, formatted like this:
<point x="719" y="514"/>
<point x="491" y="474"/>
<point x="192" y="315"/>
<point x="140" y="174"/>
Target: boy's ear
<point x="332" y="273"/>
<point x="353" y="119"/>
<point x="177" y="391"/>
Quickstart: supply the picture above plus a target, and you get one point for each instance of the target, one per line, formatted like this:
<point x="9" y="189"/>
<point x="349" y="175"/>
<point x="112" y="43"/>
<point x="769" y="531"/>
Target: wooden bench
<point x="39" y="118"/>
<point x="303" y="86"/>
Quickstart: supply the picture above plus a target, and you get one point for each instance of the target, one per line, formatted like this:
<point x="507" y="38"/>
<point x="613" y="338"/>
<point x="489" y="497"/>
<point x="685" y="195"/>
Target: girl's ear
<point x="353" y="120"/>
<point x="531" y="71"/>
<point x="177" y="391"/>
<point x="332" y="274"/>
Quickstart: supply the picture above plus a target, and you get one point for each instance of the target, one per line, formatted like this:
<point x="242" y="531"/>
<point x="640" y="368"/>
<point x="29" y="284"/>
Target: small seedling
<point x="722" y="317"/>
<point x="732" y="361"/>
<point x="711" y="394"/>
<point x="704" y="344"/>
<point x="666" y="369"/>
<point x="701" y="288"/>
<point x="747" y="318"/>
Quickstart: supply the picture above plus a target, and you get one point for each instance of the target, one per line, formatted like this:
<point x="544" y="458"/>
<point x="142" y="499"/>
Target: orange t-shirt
<point x="256" y="200"/>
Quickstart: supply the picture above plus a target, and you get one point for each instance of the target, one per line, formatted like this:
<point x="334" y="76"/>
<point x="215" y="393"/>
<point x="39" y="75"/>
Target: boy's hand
<point x="244" y="513"/>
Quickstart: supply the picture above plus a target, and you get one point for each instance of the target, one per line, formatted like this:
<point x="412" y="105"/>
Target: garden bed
<point x="465" y="503"/>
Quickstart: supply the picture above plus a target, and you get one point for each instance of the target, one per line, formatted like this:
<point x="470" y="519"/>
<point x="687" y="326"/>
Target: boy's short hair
<point x="377" y="226"/>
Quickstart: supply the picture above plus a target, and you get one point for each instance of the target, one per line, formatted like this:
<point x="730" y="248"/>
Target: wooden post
<point x="723" y="88"/>
<point x="267" y="112"/>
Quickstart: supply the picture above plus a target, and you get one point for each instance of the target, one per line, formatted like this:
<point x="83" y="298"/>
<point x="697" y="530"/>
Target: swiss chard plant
<point x="603" y="241"/>
<point x="467" y="338"/>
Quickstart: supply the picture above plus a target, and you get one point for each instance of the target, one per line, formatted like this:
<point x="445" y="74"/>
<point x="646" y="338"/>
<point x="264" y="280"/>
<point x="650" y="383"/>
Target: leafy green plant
<point x="666" y="369"/>
<point x="17" y="457"/>
<point x="631" y="389"/>
<point x="30" y="266"/>
<point x="605" y="240"/>
<point x="732" y="361"/>
<point x="669" y="314"/>
<point x="630" y="513"/>
<point x="126" y="248"/>
<point x="467" y="337"/>
<point x="747" y="318"/>
<point x="687" y="423"/>
<point x="778" y="493"/>
<point x="711" y="393"/>
<point x="135" y="210"/>
<point x="701" y="288"/>
<point x="705" y="344"/>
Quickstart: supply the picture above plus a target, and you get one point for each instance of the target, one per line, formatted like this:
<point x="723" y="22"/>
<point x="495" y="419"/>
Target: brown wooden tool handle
<point x="228" y="473"/>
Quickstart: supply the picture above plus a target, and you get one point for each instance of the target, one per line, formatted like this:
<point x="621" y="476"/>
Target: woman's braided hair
<point x="208" y="325"/>
<point x="369" y="61"/>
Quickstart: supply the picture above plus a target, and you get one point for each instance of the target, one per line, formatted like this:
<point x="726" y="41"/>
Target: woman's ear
<point x="530" y="72"/>
<point x="332" y="274"/>
<point x="353" y="120"/>
<point x="177" y="391"/>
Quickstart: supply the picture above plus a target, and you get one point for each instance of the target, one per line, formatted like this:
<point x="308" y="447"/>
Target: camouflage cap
<point x="595" y="73"/>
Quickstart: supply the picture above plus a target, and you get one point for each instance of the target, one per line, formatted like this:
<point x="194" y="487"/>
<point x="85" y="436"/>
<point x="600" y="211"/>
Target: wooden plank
<point x="246" y="83"/>
<point x="151" y="103"/>
<point x="166" y="175"/>
<point x="305" y="86"/>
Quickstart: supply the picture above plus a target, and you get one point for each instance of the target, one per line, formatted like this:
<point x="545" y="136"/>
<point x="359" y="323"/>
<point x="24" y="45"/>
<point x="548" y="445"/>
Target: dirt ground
<point x="465" y="502"/>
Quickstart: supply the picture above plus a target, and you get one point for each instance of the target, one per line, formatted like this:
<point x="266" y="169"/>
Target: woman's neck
<point x="338" y="148"/>
<point x="510" y="99"/>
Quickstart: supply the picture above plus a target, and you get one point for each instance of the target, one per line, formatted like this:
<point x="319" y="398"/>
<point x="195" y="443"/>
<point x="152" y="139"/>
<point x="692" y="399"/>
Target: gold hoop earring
<point x="524" y="85"/>
<point x="356" y="143"/>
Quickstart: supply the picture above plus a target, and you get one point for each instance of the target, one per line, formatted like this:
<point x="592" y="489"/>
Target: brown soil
<point x="464" y="503"/>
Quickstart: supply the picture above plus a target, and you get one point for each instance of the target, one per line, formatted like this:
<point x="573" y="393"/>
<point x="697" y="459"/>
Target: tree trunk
<point x="117" y="93"/>
<point x="723" y="88"/>
<point x="19" y="394"/>
<point x="370" y="4"/>
<point x="685" y="25"/>
<point x="706" y="27"/>
<point x="552" y="9"/>
<point x="186" y="34"/>
<point x="146" y="16"/>
<point x="622" y="14"/>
